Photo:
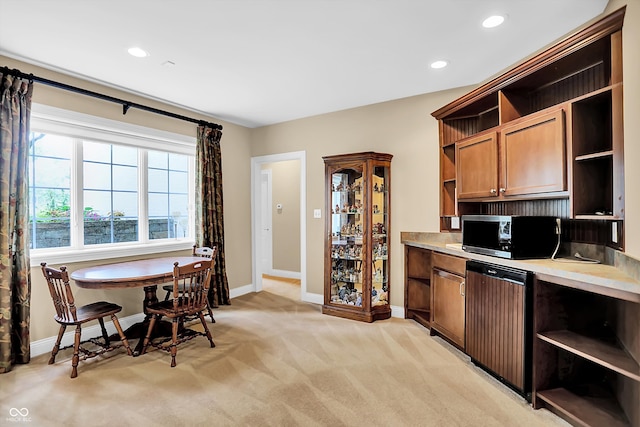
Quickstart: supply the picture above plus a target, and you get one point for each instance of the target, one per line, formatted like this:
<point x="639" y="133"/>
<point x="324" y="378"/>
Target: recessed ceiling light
<point x="493" y="21"/>
<point x="137" y="52"/>
<point x="439" y="64"/>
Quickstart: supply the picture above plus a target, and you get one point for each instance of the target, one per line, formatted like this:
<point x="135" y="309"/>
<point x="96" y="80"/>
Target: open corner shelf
<point x="599" y="352"/>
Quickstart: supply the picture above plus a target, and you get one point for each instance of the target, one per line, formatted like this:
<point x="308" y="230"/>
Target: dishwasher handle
<point x="510" y="274"/>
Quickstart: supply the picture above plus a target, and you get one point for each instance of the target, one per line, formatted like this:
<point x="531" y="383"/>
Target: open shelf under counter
<point x="584" y="411"/>
<point x="602" y="353"/>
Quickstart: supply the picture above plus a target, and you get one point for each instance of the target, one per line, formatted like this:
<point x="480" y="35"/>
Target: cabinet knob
<point x="492" y="191"/>
<point x="502" y="190"/>
<point x="462" y="288"/>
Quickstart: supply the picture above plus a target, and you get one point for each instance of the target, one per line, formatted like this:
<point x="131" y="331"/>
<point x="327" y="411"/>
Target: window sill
<point x="63" y="256"/>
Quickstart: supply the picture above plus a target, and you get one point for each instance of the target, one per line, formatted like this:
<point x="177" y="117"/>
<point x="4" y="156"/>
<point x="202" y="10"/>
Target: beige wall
<point x="236" y="172"/>
<point x="285" y="182"/>
<point x="403" y="128"/>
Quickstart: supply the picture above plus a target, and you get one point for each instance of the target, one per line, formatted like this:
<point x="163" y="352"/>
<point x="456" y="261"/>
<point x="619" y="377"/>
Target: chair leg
<point x="210" y="312"/>
<point x="206" y="329"/>
<point x="76" y="352"/>
<point x="56" y="346"/>
<point x="174" y="341"/>
<point x="123" y="338"/>
<point x="104" y="332"/>
<point x="147" y="338"/>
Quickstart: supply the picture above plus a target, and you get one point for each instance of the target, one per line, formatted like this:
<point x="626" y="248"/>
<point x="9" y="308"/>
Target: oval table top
<point x="130" y="274"/>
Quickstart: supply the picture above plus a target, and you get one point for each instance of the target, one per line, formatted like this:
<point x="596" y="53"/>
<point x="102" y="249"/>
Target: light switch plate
<point x="317" y="213"/>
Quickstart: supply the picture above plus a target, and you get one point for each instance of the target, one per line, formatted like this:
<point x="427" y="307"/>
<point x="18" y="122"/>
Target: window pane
<point x="125" y="155"/>
<point x="178" y="182"/>
<point x="125" y="178"/>
<point x="51" y="172"/>
<point x="179" y="208"/>
<point x="125" y="204"/>
<point x="178" y="162"/>
<point x="97" y="204"/>
<point x="158" y="181"/>
<point x="158" y="205"/>
<point x="110" y="194"/>
<point x="157" y="159"/>
<point x="49" y="190"/>
<point x="125" y="230"/>
<point x="52" y="146"/>
<point x="96" y="152"/>
<point x="168" y="196"/>
<point x="97" y="176"/>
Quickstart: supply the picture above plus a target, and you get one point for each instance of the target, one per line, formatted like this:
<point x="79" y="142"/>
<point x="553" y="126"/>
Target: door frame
<point x="256" y="168"/>
<point x="265" y="218"/>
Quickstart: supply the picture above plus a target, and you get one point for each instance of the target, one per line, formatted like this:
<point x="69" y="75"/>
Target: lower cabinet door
<point x="448" y="305"/>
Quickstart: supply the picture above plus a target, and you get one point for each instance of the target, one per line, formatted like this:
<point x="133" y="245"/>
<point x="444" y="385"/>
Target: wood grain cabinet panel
<point x="477" y="167"/>
<point x="532" y="156"/>
<point x="447" y="298"/>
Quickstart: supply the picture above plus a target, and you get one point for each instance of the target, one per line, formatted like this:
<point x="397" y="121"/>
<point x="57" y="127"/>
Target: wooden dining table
<point x="144" y="273"/>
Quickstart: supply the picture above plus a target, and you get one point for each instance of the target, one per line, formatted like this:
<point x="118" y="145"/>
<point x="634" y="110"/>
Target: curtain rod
<point x="125" y="104"/>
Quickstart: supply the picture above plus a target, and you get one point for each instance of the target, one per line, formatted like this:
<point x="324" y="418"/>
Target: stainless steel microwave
<point x="509" y="236"/>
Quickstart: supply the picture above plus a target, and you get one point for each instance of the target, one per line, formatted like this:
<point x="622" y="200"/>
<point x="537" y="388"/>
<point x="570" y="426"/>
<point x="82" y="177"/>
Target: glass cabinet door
<point x="379" y="226"/>
<point x="346" y="237"/>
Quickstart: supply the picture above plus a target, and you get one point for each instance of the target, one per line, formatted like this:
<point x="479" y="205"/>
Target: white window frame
<point x="47" y="119"/>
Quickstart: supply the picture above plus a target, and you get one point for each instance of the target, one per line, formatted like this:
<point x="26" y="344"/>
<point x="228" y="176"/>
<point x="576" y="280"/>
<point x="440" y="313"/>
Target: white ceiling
<point x="259" y="62"/>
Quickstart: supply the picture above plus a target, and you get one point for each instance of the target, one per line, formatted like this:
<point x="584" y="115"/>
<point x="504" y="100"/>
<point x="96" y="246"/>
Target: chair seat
<point x="89" y="312"/>
<point x="169" y="287"/>
<point x="166" y="308"/>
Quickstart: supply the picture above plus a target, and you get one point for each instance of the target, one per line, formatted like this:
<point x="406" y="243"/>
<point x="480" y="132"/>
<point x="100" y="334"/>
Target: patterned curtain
<point x="209" y="211"/>
<point x="15" y="271"/>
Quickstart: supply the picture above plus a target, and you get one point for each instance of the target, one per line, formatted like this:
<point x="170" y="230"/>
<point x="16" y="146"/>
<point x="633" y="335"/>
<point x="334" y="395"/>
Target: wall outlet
<point x="455" y="222"/>
<point x="317" y="213"/>
<point x="614" y="232"/>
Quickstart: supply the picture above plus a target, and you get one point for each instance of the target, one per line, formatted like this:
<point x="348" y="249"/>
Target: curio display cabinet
<point x="356" y="282"/>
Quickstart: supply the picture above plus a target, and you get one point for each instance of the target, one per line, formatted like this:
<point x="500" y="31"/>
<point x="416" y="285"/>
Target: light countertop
<point x="604" y="279"/>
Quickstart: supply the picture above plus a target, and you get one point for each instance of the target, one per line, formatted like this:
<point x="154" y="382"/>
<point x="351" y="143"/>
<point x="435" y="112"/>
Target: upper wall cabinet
<point x="549" y="128"/>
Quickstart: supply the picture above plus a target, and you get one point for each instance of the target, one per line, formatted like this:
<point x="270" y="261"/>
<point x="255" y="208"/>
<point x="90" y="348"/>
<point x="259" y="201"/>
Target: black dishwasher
<point x="498" y="332"/>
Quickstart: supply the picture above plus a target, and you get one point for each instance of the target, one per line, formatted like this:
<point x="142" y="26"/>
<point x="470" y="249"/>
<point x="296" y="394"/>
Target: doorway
<point x="262" y="230"/>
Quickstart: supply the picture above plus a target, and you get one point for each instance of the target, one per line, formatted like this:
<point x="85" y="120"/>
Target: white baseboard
<point x="242" y="290"/>
<point x="397" y="311"/>
<point x="313" y="298"/>
<point x="45" y="345"/>
<point x="284" y="273"/>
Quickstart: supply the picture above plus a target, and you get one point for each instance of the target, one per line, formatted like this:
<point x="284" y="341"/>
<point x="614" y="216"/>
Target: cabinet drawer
<point x="452" y="264"/>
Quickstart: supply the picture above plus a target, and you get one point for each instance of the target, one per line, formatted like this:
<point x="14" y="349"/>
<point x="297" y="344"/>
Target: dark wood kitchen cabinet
<point x="532" y="156"/>
<point x="448" y="297"/>
<point x="553" y="124"/>
<point x="477" y="166"/>
<point x="524" y="158"/>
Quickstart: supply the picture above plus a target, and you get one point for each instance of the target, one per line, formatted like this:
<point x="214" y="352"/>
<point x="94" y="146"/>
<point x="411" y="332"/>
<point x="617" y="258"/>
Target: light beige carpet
<point x="278" y="362"/>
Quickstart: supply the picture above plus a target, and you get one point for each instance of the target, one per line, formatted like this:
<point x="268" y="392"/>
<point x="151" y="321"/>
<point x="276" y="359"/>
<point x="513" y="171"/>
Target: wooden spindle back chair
<point x="67" y="313"/>
<point x="190" y="288"/>
<point x="205" y="252"/>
